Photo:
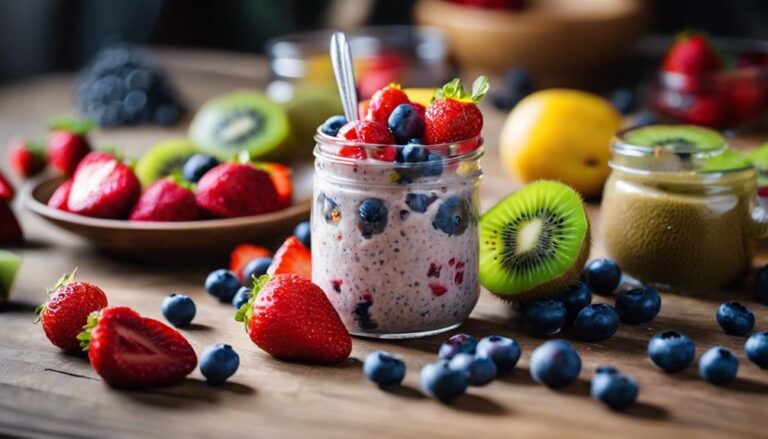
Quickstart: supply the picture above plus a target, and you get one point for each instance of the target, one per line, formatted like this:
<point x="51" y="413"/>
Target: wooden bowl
<point x="176" y="241"/>
<point x="562" y="42"/>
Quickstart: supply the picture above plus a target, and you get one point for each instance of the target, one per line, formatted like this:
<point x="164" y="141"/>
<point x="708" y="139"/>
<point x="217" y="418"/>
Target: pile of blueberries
<point x="465" y="361"/>
<point x="120" y="86"/>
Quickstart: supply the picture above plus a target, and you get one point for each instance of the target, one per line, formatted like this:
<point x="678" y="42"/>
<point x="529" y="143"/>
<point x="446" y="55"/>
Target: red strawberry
<point x="353" y="152"/>
<point x="243" y="254"/>
<point x="27" y="158"/>
<point x="368" y="132"/>
<point x="68" y="145"/>
<point x="66" y="310"/>
<point x="60" y="196"/>
<point x="292" y="258"/>
<point x="10" y="230"/>
<point x="419" y="109"/>
<point x="291" y="318"/>
<point x="453" y="116"/>
<point x="6" y="189"/>
<point x="128" y="350"/>
<point x="383" y="102"/>
<point x="692" y="53"/>
<point x="166" y="200"/>
<point x="362" y="109"/>
<point x="281" y="177"/>
<point x="233" y="189"/>
<point x="103" y="187"/>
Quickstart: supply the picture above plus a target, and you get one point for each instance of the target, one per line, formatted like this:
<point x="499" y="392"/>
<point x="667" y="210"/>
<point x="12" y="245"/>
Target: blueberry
<point x="372" y="215"/>
<point x="518" y="81"/>
<point x="545" y="317"/>
<point x="138" y="79"/>
<point x="735" y="318"/>
<point x="414" y="153"/>
<point x="645" y="117"/>
<point x="718" y="366"/>
<point x="575" y="298"/>
<point x="419" y="202"/>
<point x="555" y="364"/>
<point x="178" y="309"/>
<point x="384" y="368"/>
<point x="756" y="349"/>
<point x="218" y="363"/>
<point x="453" y="216"/>
<point x="197" y="165"/>
<point x="134" y="102"/>
<point x="433" y="166"/>
<point x="439" y="381"/>
<point x="332" y="125"/>
<point x="241" y="297"/>
<point x="672" y="351"/>
<point x="504" y="351"/>
<point x="614" y="389"/>
<point x="481" y="368"/>
<point x="761" y="285"/>
<point x="625" y="100"/>
<point x="638" y="305"/>
<point x="602" y="275"/>
<point x="303" y="233"/>
<point x="405" y="123"/>
<point x="256" y="268"/>
<point x="222" y="284"/>
<point x="458" y="344"/>
<point x="596" y="322"/>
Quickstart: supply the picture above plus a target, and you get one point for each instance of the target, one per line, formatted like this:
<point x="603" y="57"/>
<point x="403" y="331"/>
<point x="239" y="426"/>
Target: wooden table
<point x="46" y="393"/>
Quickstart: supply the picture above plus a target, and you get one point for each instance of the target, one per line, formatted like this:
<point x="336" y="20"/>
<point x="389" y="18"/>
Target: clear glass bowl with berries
<point x="720" y="84"/>
<point x="395" y="213"/>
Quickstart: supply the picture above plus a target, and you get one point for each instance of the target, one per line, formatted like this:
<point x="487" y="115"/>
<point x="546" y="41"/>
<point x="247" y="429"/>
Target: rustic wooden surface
<point x="46" y="393"/>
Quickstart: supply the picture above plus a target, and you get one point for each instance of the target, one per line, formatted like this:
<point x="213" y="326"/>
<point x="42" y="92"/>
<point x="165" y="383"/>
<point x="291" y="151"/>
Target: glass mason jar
<point x="395" y="245"/>
<point x="679" y="218"/>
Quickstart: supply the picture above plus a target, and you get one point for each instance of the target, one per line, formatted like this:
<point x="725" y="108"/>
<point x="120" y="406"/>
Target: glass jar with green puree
<point x="679" y="210"/>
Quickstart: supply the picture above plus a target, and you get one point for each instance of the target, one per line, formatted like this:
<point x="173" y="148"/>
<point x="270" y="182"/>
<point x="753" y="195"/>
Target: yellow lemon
<point x="560" y="134"/>
<point x="421" y="96"/>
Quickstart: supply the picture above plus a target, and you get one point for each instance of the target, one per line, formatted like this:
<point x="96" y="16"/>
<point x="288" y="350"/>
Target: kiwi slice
<point x="9" y="266"/>
<point x="534" y="243"/>
<point x="242" y="121"/>
<point x="163" y="159"/>
<point x="728" y="160"/>
<point x="679" y="138"/>
<point x="323" y="101"/>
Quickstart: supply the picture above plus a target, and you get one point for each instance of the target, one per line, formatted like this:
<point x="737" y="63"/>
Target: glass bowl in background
<point x="732" y="98"/>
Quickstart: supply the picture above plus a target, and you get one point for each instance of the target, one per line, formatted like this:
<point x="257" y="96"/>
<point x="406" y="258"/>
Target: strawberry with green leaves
<point x="27" y="158"/>
<point x="692" y="53"/>
<point x="68" y="144"/>
<point x="167" y="199"/>
<point x="290" y="318"/>
<point x="128" y="350"/>
<point x="453" y="115"/>
<point x="103" y="186"/>
<point x="66" y="310"/>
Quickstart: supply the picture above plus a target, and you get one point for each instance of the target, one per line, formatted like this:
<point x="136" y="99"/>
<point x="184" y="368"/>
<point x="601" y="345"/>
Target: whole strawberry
<point x="692" y="53"/>
<point x="68" y="144"/>
<point x="27" y="158"/>
<point x="453" y="116"/>
<point x="384" y="101"/>
<point x="66" y="310"/>
<point x="166" y="200"/>
<point x="103" y="187"/>
<point x="290" y="318"/>
<point x="6" y="189"/>
<point x="128" y="350"/>
<point x="237" y="189"/>
<point x="60" y="196"/>
<point x="370" y="132"/>
<point x="10" y="230"/>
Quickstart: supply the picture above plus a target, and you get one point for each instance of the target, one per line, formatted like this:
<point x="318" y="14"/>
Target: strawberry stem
<point x="70" y="125"/>
<point x="63" y="280"/>
<point x="245" y="312"/>
<point x="85" y="335"/>
<point x="455" y="90"/>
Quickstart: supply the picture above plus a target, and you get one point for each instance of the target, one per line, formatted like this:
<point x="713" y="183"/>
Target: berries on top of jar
<point x="391" y="118"/>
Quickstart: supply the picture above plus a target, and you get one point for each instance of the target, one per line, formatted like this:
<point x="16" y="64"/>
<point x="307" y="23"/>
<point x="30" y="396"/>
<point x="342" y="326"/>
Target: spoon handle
<point x="341" y="59"/>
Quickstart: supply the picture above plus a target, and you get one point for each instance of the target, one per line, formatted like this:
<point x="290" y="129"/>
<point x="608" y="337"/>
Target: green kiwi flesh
<point x="242" y="121"/>
<point x="323" y="101"/>
<point x="679" y="138"/>
<point x="534" y="243"/>
<point x="163" y="159"/>
<point x="9" y="266"/>
<point x="728" y="160"/>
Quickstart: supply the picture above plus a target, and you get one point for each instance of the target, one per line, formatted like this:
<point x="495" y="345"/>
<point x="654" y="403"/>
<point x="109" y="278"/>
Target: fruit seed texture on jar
<point x="677" y="210"/>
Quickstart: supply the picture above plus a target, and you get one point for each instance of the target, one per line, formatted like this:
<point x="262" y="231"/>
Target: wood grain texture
<point x="44" y="393"/>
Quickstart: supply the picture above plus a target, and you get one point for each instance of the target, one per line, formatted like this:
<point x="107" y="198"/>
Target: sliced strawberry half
<point x="281" y="178"/>
<point x="128" y="350"/>
<point x="244" y="254"/>
<point x="292" y="258"/>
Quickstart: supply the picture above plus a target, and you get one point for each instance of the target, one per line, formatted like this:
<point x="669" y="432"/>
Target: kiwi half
<point x="679" y="138"/>
<point x="728" y="160"/>
<point x="163" y="159"/>
<point x="534" y="243"/>
<point x="9" y="266"/>
<point x="242" y="121"/>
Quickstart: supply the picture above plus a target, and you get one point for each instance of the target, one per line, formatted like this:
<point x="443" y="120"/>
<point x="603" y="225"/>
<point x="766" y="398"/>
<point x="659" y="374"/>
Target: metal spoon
<point x="341" y="59"/>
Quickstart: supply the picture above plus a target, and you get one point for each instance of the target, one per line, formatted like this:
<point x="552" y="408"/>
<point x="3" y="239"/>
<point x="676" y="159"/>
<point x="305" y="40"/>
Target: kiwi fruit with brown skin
<point x="534" y="243"/>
